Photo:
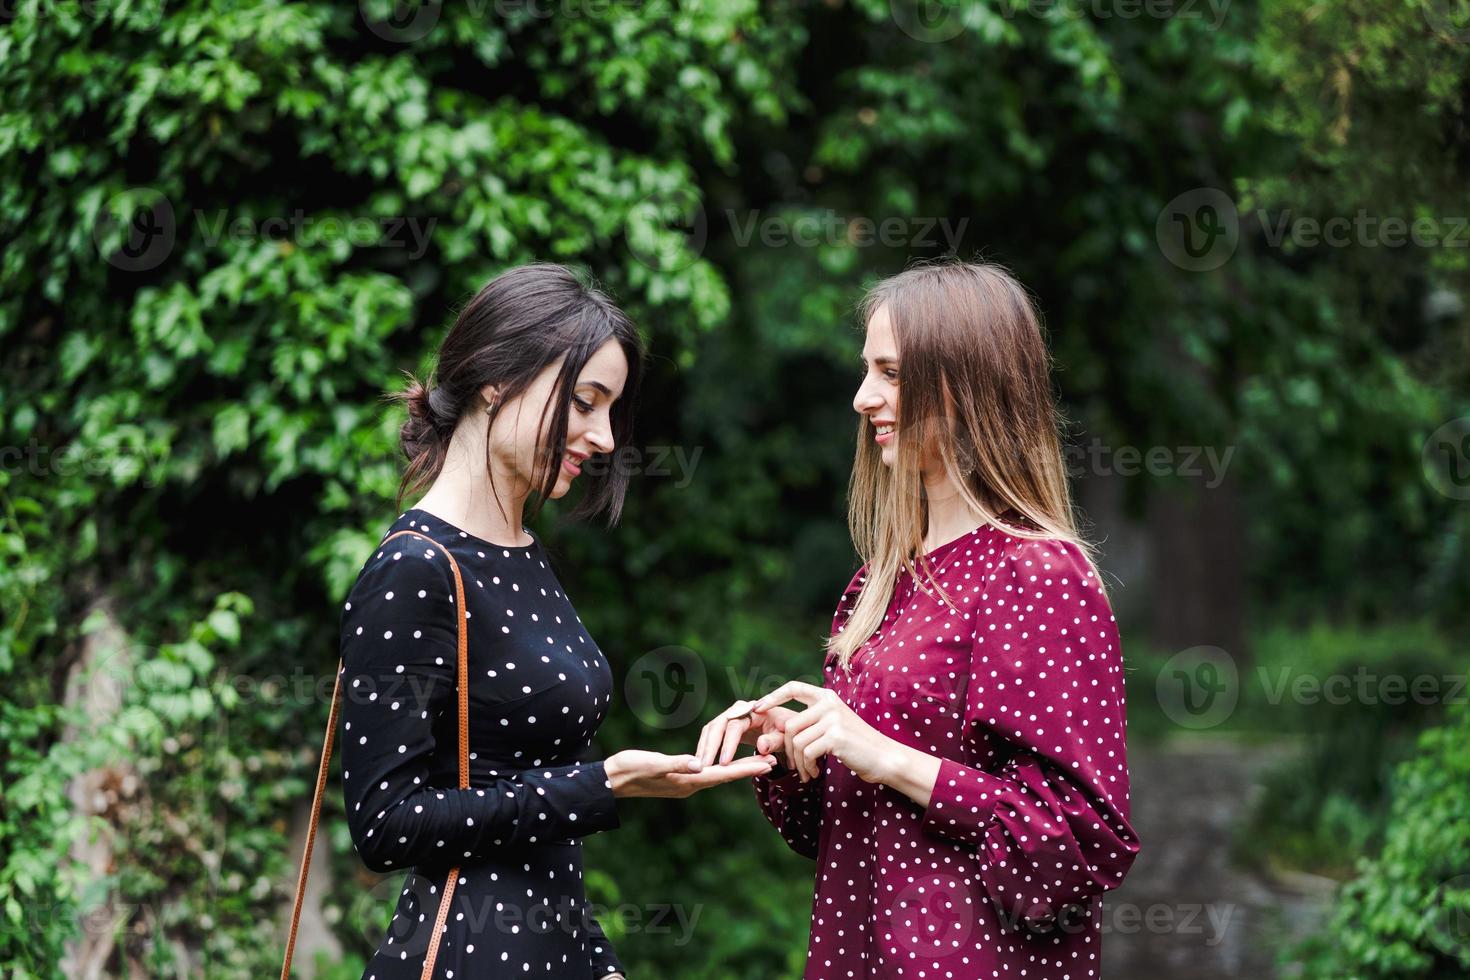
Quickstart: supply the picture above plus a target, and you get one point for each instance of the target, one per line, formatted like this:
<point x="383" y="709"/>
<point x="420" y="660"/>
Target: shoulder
<point x="402" y="563"/>
<point x="1045" y="595"/>
<point x="1034" y="568"/>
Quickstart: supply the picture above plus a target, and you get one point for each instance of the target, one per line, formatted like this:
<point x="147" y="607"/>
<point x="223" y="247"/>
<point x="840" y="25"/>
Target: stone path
<point x="1185" y="911"/>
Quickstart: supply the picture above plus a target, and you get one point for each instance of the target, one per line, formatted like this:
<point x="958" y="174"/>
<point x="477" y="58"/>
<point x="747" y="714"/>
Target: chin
<point x="563" y="484"/>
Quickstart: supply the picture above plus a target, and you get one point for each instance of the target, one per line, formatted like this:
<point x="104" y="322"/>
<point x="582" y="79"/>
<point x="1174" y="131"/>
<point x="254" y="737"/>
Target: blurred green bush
<point x="1407" y="914"/>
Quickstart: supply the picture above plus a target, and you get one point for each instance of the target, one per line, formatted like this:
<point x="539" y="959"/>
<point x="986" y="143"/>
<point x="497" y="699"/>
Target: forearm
<point x="542" y="804"/>
<point x="910" y="771"/>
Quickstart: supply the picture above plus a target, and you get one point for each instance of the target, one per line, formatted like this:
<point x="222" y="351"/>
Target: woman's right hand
<point x="635" y="772"/>
<point x="737" y="725"/>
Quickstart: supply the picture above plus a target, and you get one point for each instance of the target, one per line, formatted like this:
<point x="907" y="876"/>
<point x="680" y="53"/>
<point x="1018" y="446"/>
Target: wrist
<point x="613" y="769"/>
<point x="893" y="760"/>
<point x="911" y="772"/>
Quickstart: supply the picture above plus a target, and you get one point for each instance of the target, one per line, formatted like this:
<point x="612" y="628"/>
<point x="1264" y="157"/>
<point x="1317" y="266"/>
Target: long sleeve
<point x="1046" y="803"/>
<point x="794" y="808"/>
<point x="399" y="652"/>
<point x="604" y="957"/>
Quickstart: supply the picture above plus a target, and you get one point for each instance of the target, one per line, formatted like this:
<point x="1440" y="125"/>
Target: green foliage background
<point x="199" y="449"/>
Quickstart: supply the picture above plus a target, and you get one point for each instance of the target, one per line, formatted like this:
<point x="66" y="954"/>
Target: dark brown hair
<point x="516" y="326"/>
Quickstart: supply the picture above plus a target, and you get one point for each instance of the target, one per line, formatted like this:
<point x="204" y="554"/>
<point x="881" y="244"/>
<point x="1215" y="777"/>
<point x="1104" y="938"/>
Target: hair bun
<point x="442" y="413"/>
<point x="421" y="430"/>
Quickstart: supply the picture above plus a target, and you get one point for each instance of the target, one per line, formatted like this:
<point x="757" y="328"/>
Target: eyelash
<point x="582" y="406"/>
<point x="890" y="373"/>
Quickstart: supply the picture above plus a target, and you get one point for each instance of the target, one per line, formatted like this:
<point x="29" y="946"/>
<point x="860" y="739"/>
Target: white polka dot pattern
<point x="1018" y="690"/>
<point x="539" y="690"/>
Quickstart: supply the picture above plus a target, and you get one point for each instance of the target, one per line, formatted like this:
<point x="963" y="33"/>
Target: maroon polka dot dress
<point x="1020" y="695"/>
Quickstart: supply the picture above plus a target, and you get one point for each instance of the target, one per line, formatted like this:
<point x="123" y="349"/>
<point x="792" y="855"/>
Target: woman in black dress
<point x="534" y="378"/>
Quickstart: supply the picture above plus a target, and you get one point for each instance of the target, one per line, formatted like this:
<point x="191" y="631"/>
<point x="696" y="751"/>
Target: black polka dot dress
<point x="538" y="690"/>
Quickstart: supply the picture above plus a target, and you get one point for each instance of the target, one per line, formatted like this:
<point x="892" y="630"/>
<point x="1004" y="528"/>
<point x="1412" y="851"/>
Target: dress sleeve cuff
<point x="784" y="779"/>
<point x="961" y="803"/>
<point x="604" y="958"/>
<point x="601" y="808"/>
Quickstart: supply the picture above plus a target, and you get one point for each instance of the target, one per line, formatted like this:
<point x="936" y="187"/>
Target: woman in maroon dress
<point x="961" y="777"/>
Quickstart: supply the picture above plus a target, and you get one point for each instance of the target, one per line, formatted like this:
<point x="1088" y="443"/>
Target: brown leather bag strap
<point x="464" y="773"/>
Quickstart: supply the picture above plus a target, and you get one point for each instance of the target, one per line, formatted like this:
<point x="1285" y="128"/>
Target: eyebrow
<point x="598" y="385"/>
<point x="880" y="360"/>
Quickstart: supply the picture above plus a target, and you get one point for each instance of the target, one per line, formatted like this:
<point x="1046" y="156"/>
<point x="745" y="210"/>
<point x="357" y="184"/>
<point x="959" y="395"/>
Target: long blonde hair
<point x="976" y="383"/>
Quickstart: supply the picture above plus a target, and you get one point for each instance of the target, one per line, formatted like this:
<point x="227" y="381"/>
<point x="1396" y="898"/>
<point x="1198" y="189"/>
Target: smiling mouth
<point x="571" y="463"/>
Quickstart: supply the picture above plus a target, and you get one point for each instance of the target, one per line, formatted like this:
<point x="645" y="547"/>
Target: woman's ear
<point x="490" y="394"/>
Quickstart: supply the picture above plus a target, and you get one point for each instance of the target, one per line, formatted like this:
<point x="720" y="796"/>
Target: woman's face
<point x="877" y="397"/>
<point x="517" y="443"/>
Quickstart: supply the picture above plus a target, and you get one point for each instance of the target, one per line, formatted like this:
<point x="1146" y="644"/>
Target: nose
<point x="601" y="438"/>
<point x="866" y="400"/>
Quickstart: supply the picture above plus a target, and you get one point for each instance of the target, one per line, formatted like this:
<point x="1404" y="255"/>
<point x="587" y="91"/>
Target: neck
<point x="949" y="514"/>
<point x="462" y="493"/>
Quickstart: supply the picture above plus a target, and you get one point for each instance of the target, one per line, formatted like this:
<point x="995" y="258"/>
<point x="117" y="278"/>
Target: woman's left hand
<point x="828" y="725"/>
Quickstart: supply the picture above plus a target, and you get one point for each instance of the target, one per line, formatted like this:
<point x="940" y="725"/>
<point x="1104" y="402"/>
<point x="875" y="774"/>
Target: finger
<point x="704" y="734"/>
<point x="790" y="691"/>
<point x="744" y="768"/>
<point x="665" y="764"/>
<point x="801" y="720"/>
<point x="792" y="759"/>
<point x="814" y="751"/>
<point x="733" y="731"/>
<point x="737" y="710"/>
<point x="709" y="741"/>
<point x="712" y="734"/>
<point x="800" y="741"/>
<point x="808" y="735"/>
